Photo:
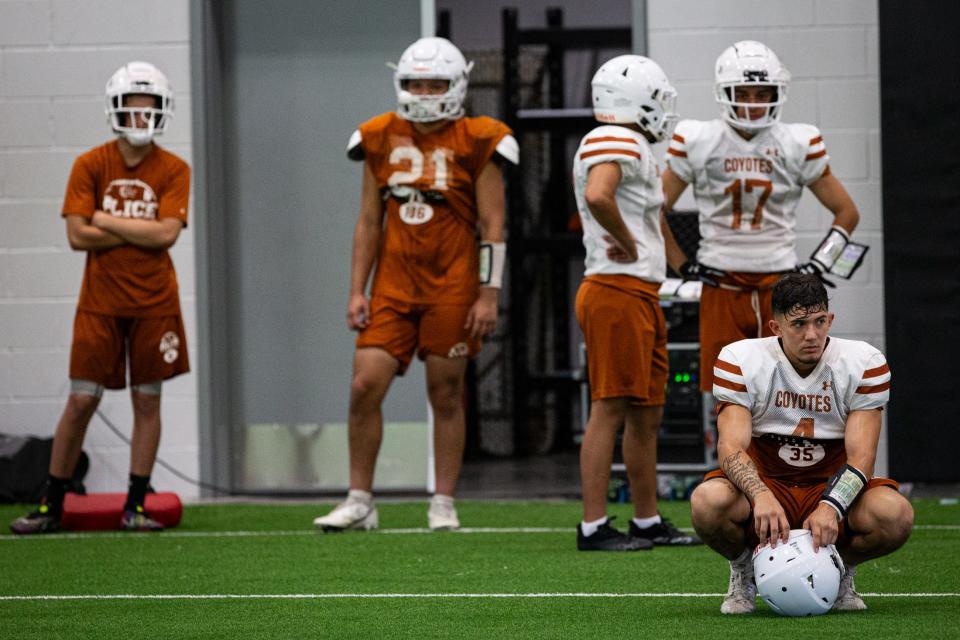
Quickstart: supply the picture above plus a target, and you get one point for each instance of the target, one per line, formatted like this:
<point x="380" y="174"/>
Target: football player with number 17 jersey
<point x="748" y="171"/>
<point x="432" y="184"/>
<point x="799" y="421"/>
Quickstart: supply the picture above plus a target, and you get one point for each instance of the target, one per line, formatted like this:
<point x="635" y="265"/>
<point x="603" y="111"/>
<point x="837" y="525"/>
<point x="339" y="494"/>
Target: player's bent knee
<point x="713" y="501"/>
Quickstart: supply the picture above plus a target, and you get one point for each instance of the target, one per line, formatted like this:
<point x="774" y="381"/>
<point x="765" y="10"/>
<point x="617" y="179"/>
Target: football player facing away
<point x="125" y="204"/>
<point x="432" y="185"/>
<point x="619" y="195"/>
<point x="748" y="171"/>
<point x="799" y="421"/>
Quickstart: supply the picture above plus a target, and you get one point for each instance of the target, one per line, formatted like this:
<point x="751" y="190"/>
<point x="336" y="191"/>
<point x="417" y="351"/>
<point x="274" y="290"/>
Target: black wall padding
<point x="920" y="132"/>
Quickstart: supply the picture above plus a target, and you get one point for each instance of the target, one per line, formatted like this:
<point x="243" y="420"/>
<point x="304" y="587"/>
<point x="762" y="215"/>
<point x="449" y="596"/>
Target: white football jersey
<point x="747" y="191"/>
<point x="639" y="198"/>
<point x="756" y="374"/>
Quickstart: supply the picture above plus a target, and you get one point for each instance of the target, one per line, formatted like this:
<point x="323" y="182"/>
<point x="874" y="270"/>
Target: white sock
<point x="359" y="495"/>
<point x="643" y="523"/>
<point x="590" y="528"/>
<point x="441" y="500"/>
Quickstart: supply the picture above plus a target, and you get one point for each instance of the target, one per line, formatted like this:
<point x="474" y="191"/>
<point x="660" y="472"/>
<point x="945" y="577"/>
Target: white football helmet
<point x="795" y="581"/>
<point x="634" y="89"/>
<point x="750" y="63"/>
<point x="138" y="78"/>
<point x="431" y="59"/>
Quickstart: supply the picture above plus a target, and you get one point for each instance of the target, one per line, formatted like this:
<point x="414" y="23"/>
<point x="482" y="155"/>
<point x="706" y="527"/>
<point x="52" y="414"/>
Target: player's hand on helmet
<point x="482" y="318"/>
<point x="616" y="252"/>
<point x="823" y="524"/>
<point x="770" y="520"/>
<point x="813" y="269"/>
<point x="358" y="312"/>
<point x="692" y="270"/>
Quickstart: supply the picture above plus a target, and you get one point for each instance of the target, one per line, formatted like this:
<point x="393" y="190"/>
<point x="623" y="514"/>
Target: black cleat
<point x="664" y="534"/>
<point x="41" y="520"/>
<point x="606" y="538"/>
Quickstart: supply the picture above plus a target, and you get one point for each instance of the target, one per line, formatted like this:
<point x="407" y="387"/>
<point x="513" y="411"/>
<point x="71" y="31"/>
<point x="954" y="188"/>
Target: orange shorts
<point x="156" y="347"/>
<point x="626" y="338"/>
<point x="402" y="329"/>
<point x="799" y="501"/>
<point x="728" y="315"/>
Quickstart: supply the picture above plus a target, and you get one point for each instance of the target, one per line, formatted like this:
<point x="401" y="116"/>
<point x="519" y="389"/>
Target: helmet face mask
<point x="431" y="59"/>
<point x="750" y="64"/>
<point x="127" y="114"/>
<point x="795" y="581"/>
<point x="633" y="89"/>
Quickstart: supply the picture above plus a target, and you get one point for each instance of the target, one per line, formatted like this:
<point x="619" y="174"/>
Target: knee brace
<point x="86" y="388"/>
<point x="149" y="388"/>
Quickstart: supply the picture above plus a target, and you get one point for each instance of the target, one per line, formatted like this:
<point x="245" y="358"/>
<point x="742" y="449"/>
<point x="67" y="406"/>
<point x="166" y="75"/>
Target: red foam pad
<point x="102" y="511"/>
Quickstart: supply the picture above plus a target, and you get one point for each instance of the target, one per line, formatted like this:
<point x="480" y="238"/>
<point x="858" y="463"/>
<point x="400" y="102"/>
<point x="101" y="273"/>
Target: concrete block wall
<point x="55" y="58"/>
<point x="831" y="48"/>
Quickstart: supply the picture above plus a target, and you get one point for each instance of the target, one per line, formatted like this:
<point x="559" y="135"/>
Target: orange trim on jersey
<point x="878" y="371"/>
<point x="818" y="154"/>
<point x="609" y="139"/>
<point x="726" y="366"/>
<point x="877" y="388"/>
<point x="816" y="140"/>
<point x="726" y="384"/>
<point x="674" y="152"/>
<point x="678" y="138"/>
<point x="600" y="152"/>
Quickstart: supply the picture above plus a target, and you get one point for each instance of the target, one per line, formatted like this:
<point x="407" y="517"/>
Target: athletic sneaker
<point x="349" y="514"/>
<point x="139" y="521"/>
<point x="663" y="534"/>
<point x="442" y="516"/>
<point x="40" y="520"/>
<point x="847" y="597"/>
<point x="742" y="593"/>
<point x="606" y="538"/>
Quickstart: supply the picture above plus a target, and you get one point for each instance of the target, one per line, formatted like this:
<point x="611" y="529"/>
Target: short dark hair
<point x="799" y="292"/>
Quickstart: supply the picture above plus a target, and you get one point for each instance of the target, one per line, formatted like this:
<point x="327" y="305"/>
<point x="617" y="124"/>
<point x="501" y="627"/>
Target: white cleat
<point x="442" y="516"/>
<point x="847" y="597"/>
<point x="742" y="593"/>
<point x="350" y="514"/>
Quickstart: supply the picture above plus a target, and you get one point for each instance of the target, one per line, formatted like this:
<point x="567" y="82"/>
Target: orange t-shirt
<point x="428" y="252"/>
<point x="129" y="281"/>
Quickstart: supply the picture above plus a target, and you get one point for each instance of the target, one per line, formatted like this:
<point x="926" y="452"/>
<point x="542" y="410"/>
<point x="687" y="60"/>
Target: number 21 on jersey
<point x="736" y="190"/>
<point x="416" y="166"/>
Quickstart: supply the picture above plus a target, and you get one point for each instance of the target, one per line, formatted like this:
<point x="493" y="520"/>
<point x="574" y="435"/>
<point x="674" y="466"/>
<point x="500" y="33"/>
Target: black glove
<point x="691" y="270"/>
<point x="813" y="269"/>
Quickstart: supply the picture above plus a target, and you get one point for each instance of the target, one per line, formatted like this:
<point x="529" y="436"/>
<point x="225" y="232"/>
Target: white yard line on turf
<point x="313" y="532"/>
<point x="385" y="596"/>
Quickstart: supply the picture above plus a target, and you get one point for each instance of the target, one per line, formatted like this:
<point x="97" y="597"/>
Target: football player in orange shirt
<point x="125" y="205"/>
<point x="432" y="185"/>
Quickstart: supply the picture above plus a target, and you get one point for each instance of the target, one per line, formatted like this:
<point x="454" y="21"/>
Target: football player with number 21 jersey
<point x="618" y="192"/>
<point x="748" y="171"/>
<point x="125" y="204"/>
<point x="799" y="420"/>
<point x="431" y="184"/>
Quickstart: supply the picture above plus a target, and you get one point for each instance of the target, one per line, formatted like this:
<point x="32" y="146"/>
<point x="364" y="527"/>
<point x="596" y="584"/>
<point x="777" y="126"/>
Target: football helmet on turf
<point x="634" y="89"/>
<point x="138" y="78"/>
<point x="795" y="581"/>
<point x="431" y="59"/>
<point x="750" y="63"/>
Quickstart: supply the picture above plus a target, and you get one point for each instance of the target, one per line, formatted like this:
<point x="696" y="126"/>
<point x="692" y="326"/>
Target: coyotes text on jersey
<point x="799" y="422"/>
<point x="747" y="191"/>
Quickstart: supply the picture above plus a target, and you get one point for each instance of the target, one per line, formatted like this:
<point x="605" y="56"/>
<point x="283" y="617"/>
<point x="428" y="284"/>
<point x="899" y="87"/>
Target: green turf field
<point x="260" y="571"/>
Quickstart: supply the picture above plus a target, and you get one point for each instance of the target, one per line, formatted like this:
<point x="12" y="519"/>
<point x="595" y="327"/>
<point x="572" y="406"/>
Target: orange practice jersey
<point x="129" y="281"/>
<point x="428" y="253"/>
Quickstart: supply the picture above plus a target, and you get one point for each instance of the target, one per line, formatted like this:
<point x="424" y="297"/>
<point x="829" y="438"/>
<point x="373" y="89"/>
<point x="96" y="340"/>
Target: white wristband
<point x="492" y="257"/>
<point x="830" y="247"/>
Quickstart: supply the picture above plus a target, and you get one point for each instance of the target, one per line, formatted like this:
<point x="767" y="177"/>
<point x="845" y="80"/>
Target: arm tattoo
<point x="742" y="472"/>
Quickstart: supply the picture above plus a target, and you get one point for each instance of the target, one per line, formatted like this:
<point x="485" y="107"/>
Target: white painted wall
<point x="831" y="48"/>
<point x="55" y="58"/>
